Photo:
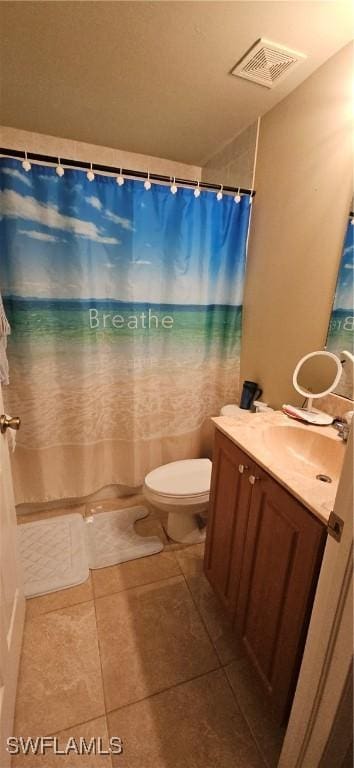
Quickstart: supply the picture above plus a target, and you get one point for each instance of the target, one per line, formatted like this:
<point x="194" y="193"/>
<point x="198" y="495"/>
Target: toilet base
<point x="183" y="528"/>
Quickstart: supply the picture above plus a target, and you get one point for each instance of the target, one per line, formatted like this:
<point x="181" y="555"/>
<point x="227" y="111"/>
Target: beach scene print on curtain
<point x="341" y="325"/>
<point x="126" y="314"/>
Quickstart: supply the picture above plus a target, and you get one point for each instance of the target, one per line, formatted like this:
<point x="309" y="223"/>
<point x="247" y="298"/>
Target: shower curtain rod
<point x="21" y="155"/>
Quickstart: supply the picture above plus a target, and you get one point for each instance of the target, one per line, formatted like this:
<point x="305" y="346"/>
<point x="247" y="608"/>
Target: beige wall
<point x="233" y="165"/>
<point x="304" y="188"/>
<point x="14" y="138"/>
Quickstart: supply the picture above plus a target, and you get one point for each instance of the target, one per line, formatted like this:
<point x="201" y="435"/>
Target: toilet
<point x="181" y="488"/>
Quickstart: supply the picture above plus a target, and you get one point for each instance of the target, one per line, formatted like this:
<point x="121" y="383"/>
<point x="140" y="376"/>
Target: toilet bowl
<point x="181" y="488"/>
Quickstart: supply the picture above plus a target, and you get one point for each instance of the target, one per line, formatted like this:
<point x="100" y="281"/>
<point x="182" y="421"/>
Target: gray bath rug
<point x="57" y="553"/>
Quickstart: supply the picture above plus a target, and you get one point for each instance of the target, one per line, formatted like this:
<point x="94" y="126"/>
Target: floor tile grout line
<point x="108" y="711"/>
<point x="101" y="664"/>
<point x="223" y="667"/>
<point x="220" y="666"/>
<point x="78" y="725"/>
<point x="239" y="706"/>
<point x="58" y="608"/>
<point x="202" y="620"/>
<point x="163" y="690"/>
<point x="140" y="586"/>
<point x="135" y="586"/>
<point x="98" y="597"/>
<point x="93" y="600"/>
<point x="102" y="714"/>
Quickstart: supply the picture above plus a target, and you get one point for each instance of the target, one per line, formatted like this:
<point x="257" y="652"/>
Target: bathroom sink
<point x="304" y="451"/>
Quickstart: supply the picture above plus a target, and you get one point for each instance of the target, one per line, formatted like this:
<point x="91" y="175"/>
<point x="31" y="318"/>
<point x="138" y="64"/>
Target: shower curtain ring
<point x="120" y="178"/>
<point x="90" y="174"/>
<point x="219" y="195"/>
<point x="59" y="169"/>
<point x="26" y="165"/>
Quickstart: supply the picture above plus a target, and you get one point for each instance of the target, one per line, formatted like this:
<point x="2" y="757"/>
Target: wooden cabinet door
<point x="283" y="552"/>
<point x="227" y="520"/>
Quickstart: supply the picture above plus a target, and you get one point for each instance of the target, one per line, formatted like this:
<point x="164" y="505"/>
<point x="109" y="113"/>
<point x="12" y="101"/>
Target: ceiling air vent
<point x="267" y="63"/>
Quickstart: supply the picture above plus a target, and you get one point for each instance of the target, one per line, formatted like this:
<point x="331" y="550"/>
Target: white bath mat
<point x="57" y="553"/>
<point x="53" y="554"/>
<point x="111" y="538"/>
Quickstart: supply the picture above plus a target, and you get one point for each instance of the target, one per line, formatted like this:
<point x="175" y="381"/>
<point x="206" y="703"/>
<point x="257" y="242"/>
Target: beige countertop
<point x="250" y="431"/>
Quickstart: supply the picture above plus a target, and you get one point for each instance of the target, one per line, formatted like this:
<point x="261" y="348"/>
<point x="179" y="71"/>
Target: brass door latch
<point x="9" y="422"/>
<point x="335" y="526"/>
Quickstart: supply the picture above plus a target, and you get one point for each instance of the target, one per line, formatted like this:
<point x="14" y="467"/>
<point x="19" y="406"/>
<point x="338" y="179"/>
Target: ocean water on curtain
<point x="341" y="326"/>
<point x="125" y="307"/>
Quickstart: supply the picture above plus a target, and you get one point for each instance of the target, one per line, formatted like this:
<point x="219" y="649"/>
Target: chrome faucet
<point x="343" y="428"/>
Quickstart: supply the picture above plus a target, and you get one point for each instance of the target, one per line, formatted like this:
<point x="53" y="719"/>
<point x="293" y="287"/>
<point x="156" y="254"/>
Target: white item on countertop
<point x="232" y="410"/>
<point x="260" y="407"/>
<point x="308" y="416"/>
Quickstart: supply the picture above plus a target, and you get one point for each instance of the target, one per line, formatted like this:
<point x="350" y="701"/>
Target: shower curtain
<point x="125" y="307"/>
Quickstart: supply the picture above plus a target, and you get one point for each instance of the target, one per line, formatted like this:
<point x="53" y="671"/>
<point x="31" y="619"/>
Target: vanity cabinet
<point x="262" y="557"/>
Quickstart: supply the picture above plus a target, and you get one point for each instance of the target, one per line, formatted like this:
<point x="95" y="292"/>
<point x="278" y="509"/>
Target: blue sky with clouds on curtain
<point x="125" y="243"/>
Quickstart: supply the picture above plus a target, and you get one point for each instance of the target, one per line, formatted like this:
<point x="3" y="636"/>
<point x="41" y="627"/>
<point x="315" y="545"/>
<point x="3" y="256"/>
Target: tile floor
<point x="142" y="651"/>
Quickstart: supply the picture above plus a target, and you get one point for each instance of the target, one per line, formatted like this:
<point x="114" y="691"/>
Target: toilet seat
<point x="186" y="479"/>
<point x="176" y="501"/>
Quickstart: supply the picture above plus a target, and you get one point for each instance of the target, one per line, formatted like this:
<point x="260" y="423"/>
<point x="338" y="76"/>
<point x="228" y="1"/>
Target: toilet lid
<point x="190" y="477"/>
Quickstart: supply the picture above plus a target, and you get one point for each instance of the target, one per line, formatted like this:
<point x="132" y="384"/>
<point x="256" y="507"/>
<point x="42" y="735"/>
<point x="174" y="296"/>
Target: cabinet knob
<point x="253" y="479"/>
<point x="242" y="468"/>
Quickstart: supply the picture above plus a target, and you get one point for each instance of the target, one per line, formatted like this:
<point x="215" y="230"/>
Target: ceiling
<point x="153" y="77"/>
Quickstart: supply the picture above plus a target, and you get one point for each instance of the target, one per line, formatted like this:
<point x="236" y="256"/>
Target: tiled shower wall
<point x="233" y="165"/>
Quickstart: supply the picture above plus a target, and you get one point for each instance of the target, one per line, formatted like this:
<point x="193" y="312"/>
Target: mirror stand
<point x="317" y="374"/>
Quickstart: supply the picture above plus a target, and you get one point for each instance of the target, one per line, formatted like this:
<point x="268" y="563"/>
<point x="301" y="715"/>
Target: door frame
<point x="329" y="646"/>
<point x="12" y="623"/>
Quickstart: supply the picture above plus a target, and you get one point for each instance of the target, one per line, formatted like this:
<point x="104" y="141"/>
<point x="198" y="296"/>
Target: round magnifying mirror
<point x="317" y="374"/>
